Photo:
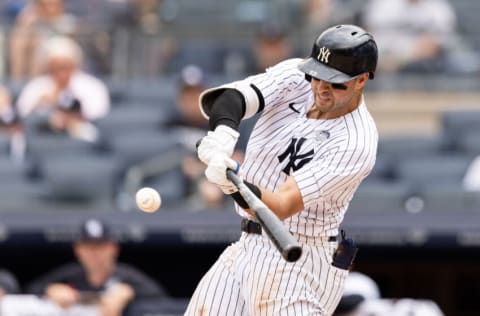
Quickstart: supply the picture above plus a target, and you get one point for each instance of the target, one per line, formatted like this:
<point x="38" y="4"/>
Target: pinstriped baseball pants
<point x="251" y="278"/>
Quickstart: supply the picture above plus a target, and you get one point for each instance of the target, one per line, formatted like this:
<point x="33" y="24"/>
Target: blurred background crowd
<point x="100" y="97"/>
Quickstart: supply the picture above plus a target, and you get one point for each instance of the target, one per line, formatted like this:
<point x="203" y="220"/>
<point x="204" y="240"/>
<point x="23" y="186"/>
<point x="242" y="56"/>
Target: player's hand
<point x="222" y="140"/>
<point x="216" y="172"/>
<point x="62" y="294"/>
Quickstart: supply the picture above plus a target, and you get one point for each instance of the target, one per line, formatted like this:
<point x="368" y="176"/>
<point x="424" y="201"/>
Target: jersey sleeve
<point x="280" y="83"/>
<point x="263" y="91"/>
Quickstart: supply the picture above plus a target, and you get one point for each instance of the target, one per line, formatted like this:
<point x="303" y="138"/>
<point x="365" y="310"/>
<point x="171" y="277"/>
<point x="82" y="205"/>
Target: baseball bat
<point x="276" y="231"/>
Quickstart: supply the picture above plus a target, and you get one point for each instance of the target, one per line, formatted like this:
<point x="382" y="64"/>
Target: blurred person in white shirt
<point x="412" y="35"/>
<point x="71" y="98"/>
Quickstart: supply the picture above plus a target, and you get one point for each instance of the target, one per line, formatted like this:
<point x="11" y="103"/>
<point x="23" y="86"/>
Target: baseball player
<point x="313" y="144"/>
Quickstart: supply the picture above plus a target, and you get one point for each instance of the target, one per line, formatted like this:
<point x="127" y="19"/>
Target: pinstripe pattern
<point x="339" y="164"/>
<point x="250" y="277"/>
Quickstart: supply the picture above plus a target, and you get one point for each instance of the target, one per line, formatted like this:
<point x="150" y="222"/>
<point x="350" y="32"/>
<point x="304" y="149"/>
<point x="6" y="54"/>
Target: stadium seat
<point x="132" y="117"/>
<point x="380" y="196"/>
<point x="435" y="169"/>
<point x="443" y="197"/>
<point x="21" y="195"/>
<point x="77" y="178"/>
<point x="40" y="144"/>
<point x="150" y="91"/>
<point x="409" y="145"/>
<point x="456" y="123"/>
<point x="132" y="146"/>
<point x="469" y="142"/>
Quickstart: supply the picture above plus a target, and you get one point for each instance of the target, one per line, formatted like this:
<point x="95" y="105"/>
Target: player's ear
<point x="361" y="81"/>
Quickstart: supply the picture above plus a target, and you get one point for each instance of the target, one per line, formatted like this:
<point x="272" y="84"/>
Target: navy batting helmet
<point x="340" y="54"/>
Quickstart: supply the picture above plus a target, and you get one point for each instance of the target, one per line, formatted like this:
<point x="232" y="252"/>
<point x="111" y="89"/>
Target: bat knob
<point x="293" y="253"/>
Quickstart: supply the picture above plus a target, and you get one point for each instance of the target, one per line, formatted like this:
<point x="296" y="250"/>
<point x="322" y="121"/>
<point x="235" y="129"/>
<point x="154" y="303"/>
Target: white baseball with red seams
<point x="148" y="200"/>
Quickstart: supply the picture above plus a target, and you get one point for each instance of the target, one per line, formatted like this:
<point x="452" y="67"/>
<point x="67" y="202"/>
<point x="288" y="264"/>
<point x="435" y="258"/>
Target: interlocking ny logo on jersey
<point x="323" y="55"/>
<point x="296" y="160"/>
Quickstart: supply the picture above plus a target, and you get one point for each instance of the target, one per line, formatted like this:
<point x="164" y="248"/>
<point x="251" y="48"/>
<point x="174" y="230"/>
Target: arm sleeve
<point x="280" y="84"/>
<point x="228" y="109"/>
<point x="264" y="90"/>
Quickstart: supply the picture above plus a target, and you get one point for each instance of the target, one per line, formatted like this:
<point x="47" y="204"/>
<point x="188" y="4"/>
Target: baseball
<point x="148" y="200"/>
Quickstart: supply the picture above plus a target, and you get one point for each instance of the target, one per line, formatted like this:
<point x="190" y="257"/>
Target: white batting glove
<point x="216" y="172"/>
<point x="222" y="140"/>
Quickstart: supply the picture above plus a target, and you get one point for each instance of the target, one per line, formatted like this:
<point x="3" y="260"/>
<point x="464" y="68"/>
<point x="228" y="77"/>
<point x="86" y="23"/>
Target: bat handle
<point x="289" y="248"/>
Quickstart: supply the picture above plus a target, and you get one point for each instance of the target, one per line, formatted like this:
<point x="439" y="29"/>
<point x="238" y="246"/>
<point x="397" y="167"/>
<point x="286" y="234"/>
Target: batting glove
<point x="216" y="172"/>
<point x="222" y="140"/>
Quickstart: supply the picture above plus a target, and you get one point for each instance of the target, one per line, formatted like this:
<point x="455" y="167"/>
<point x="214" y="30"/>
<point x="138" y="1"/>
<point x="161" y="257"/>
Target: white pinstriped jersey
<point x="328" y="158"/>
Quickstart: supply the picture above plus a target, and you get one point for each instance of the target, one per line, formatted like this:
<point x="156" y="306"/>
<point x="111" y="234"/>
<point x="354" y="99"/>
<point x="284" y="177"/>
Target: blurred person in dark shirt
<point x="271" y="45"/>
<point x="190" y="124"/>
<point x="97" y="276"/>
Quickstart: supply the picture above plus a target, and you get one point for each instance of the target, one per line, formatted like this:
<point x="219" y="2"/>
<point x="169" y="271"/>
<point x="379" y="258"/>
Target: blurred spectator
<point x="414" y="35"/>
<point x="362" y="298"/>
<point x="97" y="277"/>
<point x="187" y="112"/>
<point x="8" y="283"/>
<point x="359" y="287"/>
<point x="10" y="123"/>
<point x="191" y="125"/>
<point x="317" y="14"/>
<point x="136" y="24"/>
<point x="67" y="96"/>
<point x="143" y="15"/>
<point x="272" y="44"/>
<point x="37" y="22"/>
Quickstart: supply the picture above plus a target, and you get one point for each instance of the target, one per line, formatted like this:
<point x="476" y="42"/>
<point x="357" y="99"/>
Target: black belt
<point x="251" y="227"/>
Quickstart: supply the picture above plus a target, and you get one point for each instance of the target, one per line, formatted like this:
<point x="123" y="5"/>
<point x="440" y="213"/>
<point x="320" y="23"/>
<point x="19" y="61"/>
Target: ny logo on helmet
<point x="323" y="55"/>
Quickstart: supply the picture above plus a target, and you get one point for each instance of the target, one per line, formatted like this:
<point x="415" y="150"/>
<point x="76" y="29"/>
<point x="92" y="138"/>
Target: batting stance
<point x="313" y="144"/>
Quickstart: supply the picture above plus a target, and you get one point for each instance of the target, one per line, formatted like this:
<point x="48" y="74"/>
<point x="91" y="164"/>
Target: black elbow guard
<point x="228" y="109"/>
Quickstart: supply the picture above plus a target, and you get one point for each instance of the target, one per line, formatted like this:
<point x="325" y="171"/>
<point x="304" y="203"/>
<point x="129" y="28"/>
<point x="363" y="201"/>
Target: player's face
<point x="97" y="257"/>
<point x="334" y="100"/>
<point x="61" y="70"/>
